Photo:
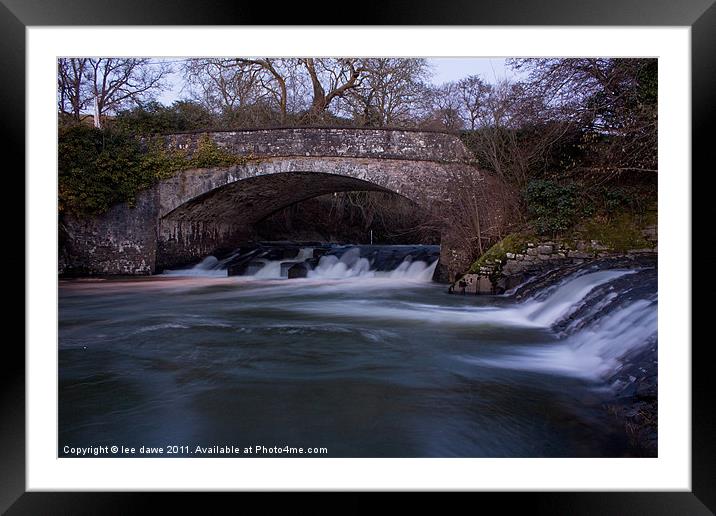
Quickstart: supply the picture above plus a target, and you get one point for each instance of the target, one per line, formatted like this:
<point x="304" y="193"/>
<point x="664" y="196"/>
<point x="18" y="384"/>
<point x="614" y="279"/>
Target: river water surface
<point x="359" y="362"/>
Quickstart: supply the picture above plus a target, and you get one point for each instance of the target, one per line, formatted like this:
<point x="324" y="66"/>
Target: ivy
<point x="99" y="168"/>
<point x="552" y="207"/>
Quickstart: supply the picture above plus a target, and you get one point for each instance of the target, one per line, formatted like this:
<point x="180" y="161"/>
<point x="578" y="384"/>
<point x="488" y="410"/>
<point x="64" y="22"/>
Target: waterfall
<point x="338" y="263"/>
<point x="208" y="267"/>
<point x="602" y="318"/>
<point x="567" y="296"/>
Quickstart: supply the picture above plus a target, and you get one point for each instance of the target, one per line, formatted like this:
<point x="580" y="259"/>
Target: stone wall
<point x="538" y="257"/>
<point x="349" y="143"/>
<point x="121" y="241"/>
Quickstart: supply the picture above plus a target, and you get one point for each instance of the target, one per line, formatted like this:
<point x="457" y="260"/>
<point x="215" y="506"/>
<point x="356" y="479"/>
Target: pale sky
<point x="449" y="69"/>
<point x="446" y="69"/>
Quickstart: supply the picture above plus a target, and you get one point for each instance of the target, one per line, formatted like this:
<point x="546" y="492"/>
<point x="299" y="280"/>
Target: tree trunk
<point x="97" y="115"/>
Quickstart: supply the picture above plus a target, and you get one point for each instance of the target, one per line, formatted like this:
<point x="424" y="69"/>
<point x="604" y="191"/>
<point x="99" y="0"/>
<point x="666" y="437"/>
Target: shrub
<point x="155" y="118"/>
<point x="551" y="206"/>
<point x="97" y="169"/>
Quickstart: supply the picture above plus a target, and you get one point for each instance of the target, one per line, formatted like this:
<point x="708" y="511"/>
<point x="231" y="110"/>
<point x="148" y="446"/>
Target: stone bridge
<point x="184" y="218"/>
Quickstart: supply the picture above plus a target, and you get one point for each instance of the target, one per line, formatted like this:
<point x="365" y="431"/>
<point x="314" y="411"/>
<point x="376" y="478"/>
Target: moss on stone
<point x="619" y="233"/>
<point x="616" y="233"/>
<point x="512" y="243"/>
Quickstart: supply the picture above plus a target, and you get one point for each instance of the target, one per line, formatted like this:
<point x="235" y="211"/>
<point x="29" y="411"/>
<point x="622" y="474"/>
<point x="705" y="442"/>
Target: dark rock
<point x="297" y="270"/>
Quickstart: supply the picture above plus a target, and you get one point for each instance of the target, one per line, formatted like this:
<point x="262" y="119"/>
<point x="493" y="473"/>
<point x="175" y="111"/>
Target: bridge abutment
<point x="122" y="240"/>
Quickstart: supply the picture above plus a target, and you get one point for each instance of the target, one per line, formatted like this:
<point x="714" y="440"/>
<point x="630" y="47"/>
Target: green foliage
<point x="617" y="199"/>
<point x="648" y="82"/>
<point x="98" y="168"/>
<point x="619" y="232"/>
<point x="555" y="208"/>
<point x="552" y="207"/>
<point x="614" y="198"/>
<point x="208" y="154"/>
<point x="156" y="118"/>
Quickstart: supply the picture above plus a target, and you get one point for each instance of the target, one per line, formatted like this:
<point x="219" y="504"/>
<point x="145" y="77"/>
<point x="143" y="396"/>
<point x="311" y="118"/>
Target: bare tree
<point x="515" y="133"/>
<point x="613" y="100"/>
<point x="71" y="87"/>
<point x="223" y="84"/>
<point x="114" y="83"/>
<point x="330" y="79"/>
<point x="476" y="210"/>
<point x="274" y="79"/>
<point x="389" y="91"/>
<point x="307" y="84"/>
<point x="443" y="111"/>
<point x="472" y="93"/>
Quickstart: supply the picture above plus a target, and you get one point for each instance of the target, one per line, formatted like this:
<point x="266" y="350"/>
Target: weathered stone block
<point x="484" y="285"/>
<point x="578" y="254"/>
<point x="348" y="142"/>
<point x="511" y="267"/>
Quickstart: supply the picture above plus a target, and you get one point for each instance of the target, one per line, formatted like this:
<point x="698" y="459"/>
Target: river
<point x="358" y="361"/>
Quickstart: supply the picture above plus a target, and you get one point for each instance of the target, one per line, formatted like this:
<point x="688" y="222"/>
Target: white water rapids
<point x="349" y="265"/>
<point x="592" y="352"/>
<point x="595" y="351"/>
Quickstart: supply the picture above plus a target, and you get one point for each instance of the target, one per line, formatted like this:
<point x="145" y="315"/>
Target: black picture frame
<point x="16" y="15"/>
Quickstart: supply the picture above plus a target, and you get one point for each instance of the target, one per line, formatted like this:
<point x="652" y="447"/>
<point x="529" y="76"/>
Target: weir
<point x="322" y="261"/>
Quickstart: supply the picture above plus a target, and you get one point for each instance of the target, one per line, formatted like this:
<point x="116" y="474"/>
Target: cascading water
<point x="208" y="267"/>
<point x="603" y="320"/>
<point x="337" y="263"/>
<point x="567" y="296"/>
<point x="362" y="354"/>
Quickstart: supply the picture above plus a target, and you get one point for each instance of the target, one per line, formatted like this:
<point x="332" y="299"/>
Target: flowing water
<point x="355" y="358"/>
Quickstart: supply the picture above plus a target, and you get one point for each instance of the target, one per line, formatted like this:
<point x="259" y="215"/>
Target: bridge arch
<point x="206" y="209"/>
